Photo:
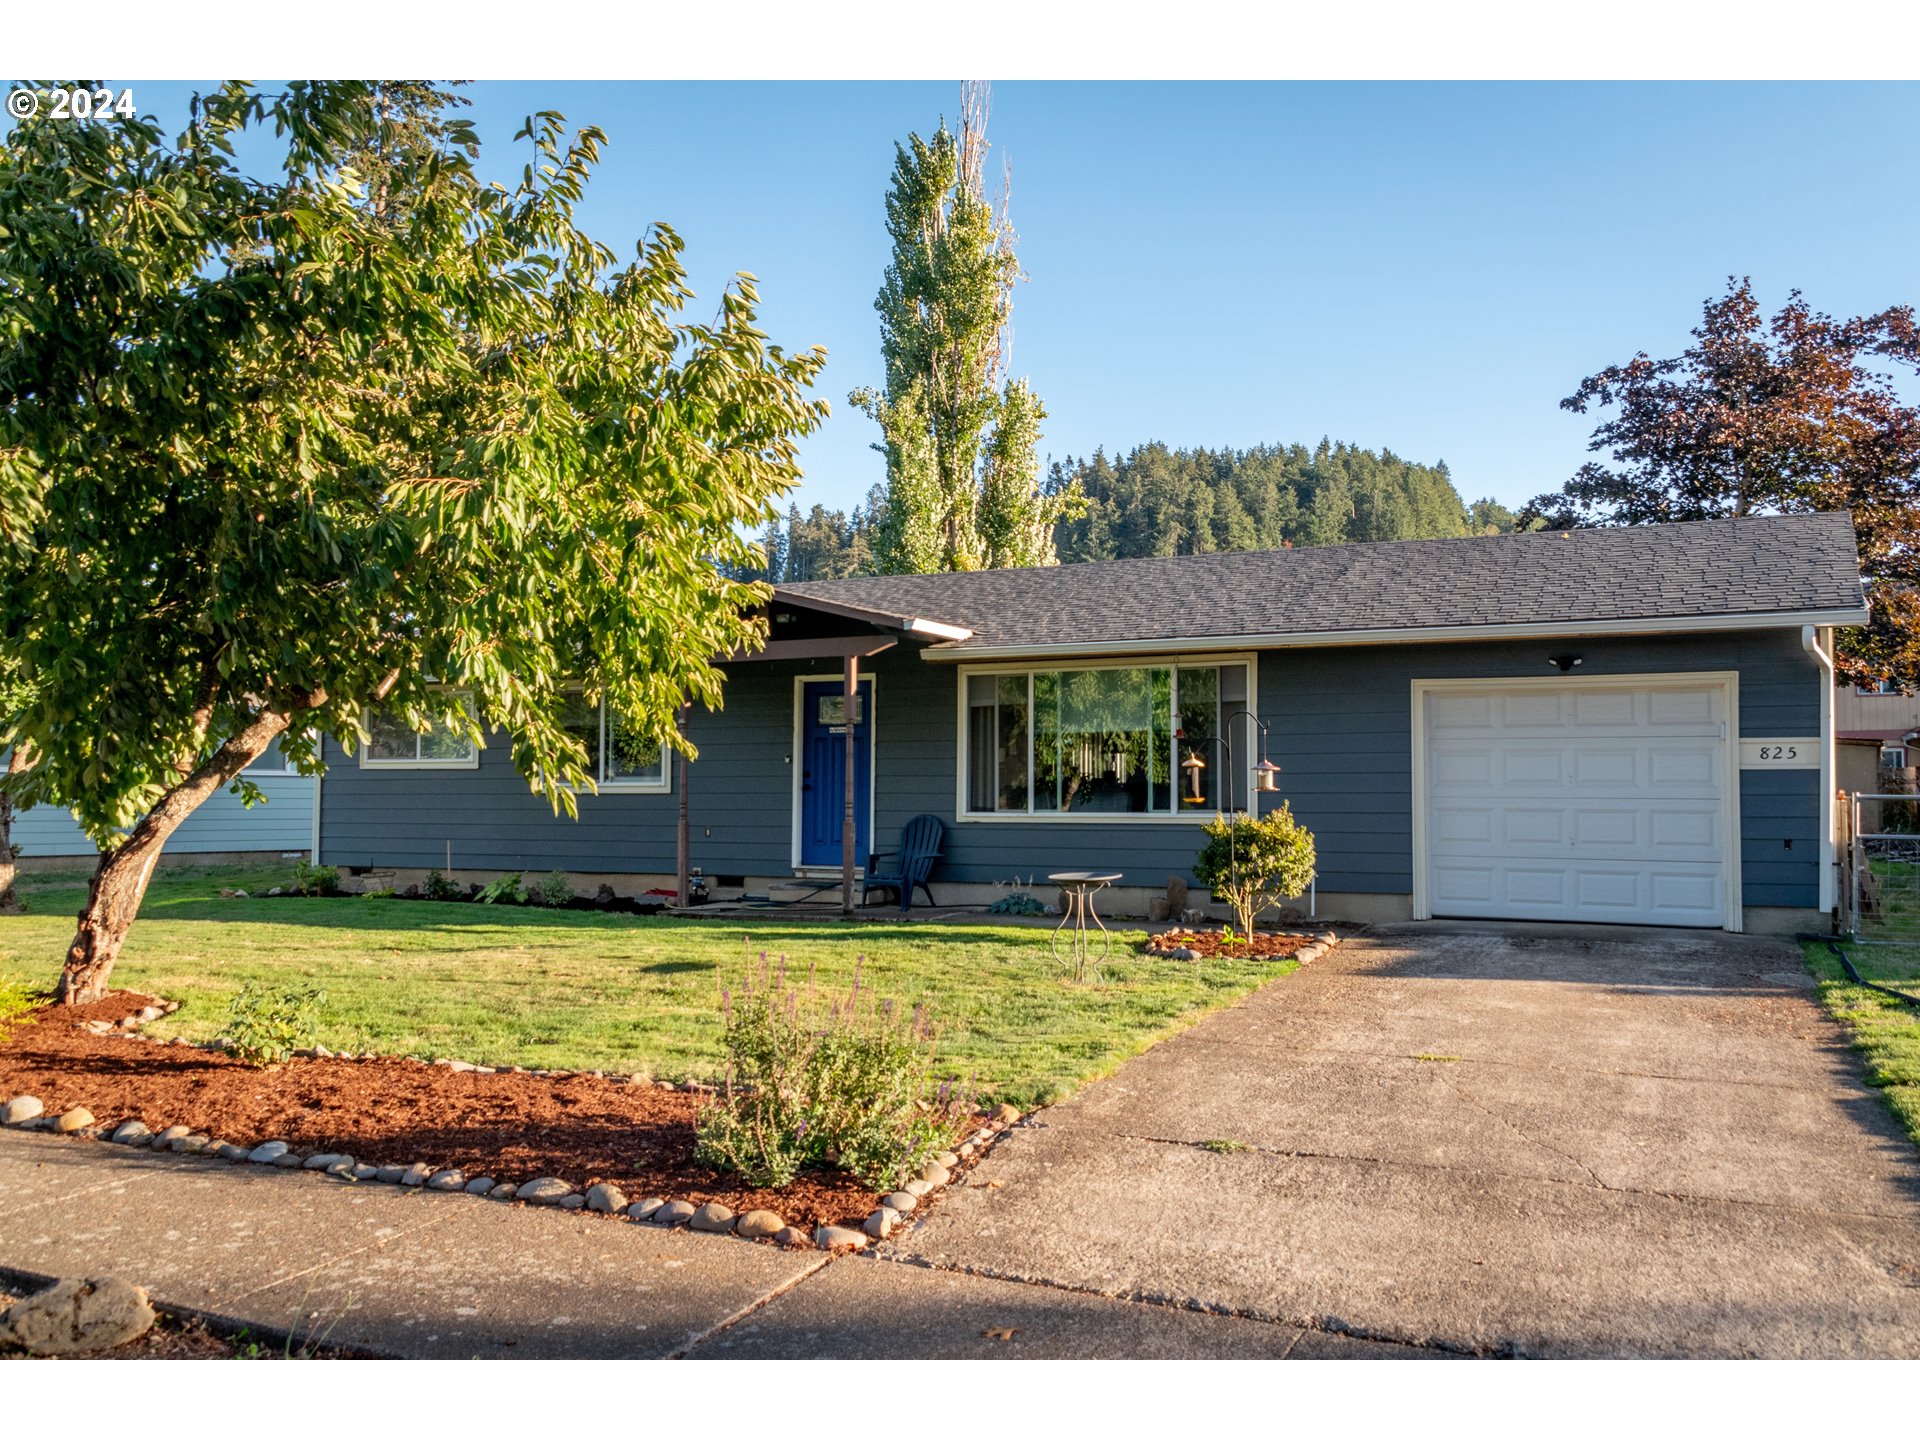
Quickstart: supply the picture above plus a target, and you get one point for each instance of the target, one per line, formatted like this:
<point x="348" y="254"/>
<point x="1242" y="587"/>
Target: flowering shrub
<point x="817" y="1079"/>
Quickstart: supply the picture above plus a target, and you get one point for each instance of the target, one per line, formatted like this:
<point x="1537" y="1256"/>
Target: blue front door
<point x="823" y="771"/>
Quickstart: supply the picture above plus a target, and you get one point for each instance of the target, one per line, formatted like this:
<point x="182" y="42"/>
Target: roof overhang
<point x="1411" y="635"/>
<point x="825" y="647"/>
<point x="886" y="619"/>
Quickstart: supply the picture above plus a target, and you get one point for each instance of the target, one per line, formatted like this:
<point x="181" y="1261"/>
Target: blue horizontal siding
<point x="282" y="822"/>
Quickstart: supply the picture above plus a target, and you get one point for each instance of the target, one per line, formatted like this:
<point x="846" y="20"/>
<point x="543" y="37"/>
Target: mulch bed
<point x="396" y="1112"/>
<point x="1209" y="944"/>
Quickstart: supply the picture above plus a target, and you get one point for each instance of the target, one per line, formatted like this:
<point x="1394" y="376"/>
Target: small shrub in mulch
<point x="390" y="1111"/>
<point x="1219" y="944"/>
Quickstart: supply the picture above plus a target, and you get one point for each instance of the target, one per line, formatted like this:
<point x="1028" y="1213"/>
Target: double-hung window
<point x="618" y="759"/>
<point x="391" y="741"/>
<point x="1105" y="742"/>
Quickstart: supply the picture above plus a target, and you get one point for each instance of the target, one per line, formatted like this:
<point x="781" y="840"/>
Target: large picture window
<point x="1106" y="741"/>
<point x="619" y="759"/>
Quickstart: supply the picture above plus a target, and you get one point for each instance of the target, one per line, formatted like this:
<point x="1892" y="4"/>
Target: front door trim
<point x="1727" y="680"/>
<point x="871" y="683"/>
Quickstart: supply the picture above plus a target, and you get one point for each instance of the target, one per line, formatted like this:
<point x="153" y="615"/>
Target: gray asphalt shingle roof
<point x="1751" y="566"/>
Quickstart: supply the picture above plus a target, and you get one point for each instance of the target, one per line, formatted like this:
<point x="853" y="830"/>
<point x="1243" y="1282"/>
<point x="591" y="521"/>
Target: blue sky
<point x="1425" y="267"/>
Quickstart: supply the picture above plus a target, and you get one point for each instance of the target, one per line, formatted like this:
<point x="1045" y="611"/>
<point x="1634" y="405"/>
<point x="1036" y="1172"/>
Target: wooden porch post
<point x="683" y="856"/>
<point x="846" y="815"/>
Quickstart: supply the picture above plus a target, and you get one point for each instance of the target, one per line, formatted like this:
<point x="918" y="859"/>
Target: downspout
<point x="1810" y="641"/>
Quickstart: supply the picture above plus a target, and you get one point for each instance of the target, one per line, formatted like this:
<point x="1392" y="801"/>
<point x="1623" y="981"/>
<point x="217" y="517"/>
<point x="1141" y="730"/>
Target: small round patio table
<point x="1077" y="889"/>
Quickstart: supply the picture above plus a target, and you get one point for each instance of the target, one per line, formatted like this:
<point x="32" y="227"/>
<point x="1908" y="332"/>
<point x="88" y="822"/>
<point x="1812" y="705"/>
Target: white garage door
<point x="1577" y="802"/>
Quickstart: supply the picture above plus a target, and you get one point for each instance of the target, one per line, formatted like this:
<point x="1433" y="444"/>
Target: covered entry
<point x="1606" y="799"/>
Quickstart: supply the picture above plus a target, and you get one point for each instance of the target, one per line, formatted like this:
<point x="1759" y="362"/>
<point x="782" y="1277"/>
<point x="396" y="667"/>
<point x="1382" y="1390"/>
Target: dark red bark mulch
<point x="397" y="1112"/>
<point x="1210" y="944"/>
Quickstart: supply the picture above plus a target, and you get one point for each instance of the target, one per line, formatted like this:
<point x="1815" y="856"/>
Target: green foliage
<point x="960" y="438"/>
<point x="554" y="889"/>
<point x="1253" y="864"/>
<point x="834" y="1080"/>
<point x="311" y="879"/>
<point x="1226" y="1147"/>
<point x="507" y="887"/>
<point x="438" y="887"/>
<point x="346" y="424"/>
<point x="267" y="1024"/>
<point x="16" y="1004"/>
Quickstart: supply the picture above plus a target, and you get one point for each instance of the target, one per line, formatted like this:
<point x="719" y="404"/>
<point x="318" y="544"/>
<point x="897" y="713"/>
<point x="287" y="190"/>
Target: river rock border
<point x="1318" y="945"/>
<point x="28" y="1112"/>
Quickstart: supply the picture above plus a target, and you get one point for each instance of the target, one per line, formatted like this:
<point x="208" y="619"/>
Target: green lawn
<point x="585" y="991"/>
<point x="1884" y="1030"/>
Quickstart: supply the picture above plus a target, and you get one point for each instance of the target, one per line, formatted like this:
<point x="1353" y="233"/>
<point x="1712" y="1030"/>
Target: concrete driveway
<point x="1482" y="1140"/>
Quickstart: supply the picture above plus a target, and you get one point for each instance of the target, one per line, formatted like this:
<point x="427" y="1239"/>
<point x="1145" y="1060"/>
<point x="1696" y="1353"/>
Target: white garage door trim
<point x="1728" y="681"/>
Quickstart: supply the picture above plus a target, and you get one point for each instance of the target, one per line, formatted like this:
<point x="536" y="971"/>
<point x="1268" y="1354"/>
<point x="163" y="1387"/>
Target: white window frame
<point x="367" y="762"/>
<point x="629" y="784"/>
<point x="1243" y="785"/>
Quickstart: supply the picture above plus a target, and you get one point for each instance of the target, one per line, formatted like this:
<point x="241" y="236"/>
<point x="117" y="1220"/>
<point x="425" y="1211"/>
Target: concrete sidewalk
<point x="417" y="1274"/>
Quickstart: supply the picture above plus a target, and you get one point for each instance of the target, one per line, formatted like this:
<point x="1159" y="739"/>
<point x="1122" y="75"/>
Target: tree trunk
<point x="9" y="900"/>
<point x="120" y="878"/>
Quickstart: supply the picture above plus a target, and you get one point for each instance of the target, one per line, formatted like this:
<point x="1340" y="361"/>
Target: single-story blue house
<point x="1630" y="725"/>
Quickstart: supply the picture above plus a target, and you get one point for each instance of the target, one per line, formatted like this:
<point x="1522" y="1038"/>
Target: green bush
<point x="1254" y="864"/>
<point x="16" y="1001"/>
<point x="507" y="887"/>
<point x="827" y="1080"/>
<point x="554" y="889"/>
<point x="265" y="1025"/>
<point x="438" y="887"/>
<point x="309" y="879"/>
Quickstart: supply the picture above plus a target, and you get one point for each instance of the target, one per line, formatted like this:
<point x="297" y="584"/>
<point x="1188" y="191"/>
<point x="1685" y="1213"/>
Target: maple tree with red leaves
<point x="1794" y="414"/>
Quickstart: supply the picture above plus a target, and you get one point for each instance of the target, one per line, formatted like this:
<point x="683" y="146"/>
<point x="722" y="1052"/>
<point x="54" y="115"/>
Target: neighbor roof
<point x="1779" y="569"/>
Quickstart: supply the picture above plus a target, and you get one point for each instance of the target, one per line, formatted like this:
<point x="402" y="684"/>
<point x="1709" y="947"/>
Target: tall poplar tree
<point x="963" y="480"/>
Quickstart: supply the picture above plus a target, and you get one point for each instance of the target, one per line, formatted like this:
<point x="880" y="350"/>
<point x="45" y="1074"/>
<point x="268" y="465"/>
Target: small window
<point x="618" y="759"/>
<point x="1893" y="758"/>
<point x="1882" y="686"/>
<point x="390" y="740"/>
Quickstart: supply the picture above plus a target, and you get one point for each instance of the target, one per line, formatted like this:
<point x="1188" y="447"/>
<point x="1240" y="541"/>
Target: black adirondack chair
<point x="906" y="869"/>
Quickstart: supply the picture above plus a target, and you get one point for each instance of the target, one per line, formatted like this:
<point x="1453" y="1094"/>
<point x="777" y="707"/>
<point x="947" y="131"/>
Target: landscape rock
<point x="189" y="1144"/>
<point x="936" y="1175"/>
<point x="130" y="1132"/>
<point x="21" y="1109"/>
<point x="503" y="1191"/>
<point x="172" y="1133"/>
<point x="712" y="1217"/>
<point x="366" y="1172"/>
<point x="77" y="1317"/>
<point x="390" y="1174"/>
<point x="793" y="1238"/>
<point x="900" y="1200"/>
<point x="344" y="1167"/>
<point x="1004" y="1114"/>
<point x="838" y="1237"/>
<point x="642" y="1209"/>
<point x="417" y="1173"/>
<point x="946" y="1158"/>
<point x="759" y="1225"/>
<point x="880" y="1224"/>
<point x="97" y="1027"/>
<point x="267" y="1152"/>
<point x="606" y="1198"/>
<point x="545" y="1191"/>
<point x="287" y="1162"/>
<point x="919" y="1189"/>
<point x="674" y="1212"/>
<point x="573" y="1202"/>
<point x="149" y="1012"/>
<point x="228" y="1151"/>
<point x="324" y="1162"/>
<point x="480" y="1185"/>
<point x="447" y="1180"/>
<point x="78" y="1118"/>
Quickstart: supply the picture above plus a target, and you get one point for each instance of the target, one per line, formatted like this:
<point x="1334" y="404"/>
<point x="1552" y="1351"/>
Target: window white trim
<point x="629" y="784"/>
<point x="471" y="761"/>
<point x="1243" y="784"/>
<point x="1728" y="680"/>
<point x="796" y="762"/>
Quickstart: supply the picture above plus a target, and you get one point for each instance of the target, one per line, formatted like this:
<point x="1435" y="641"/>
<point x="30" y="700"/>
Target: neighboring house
<point x="1881" y="713"/>
<point x="222" y="827"/>
<point x="1630" y="725"/>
